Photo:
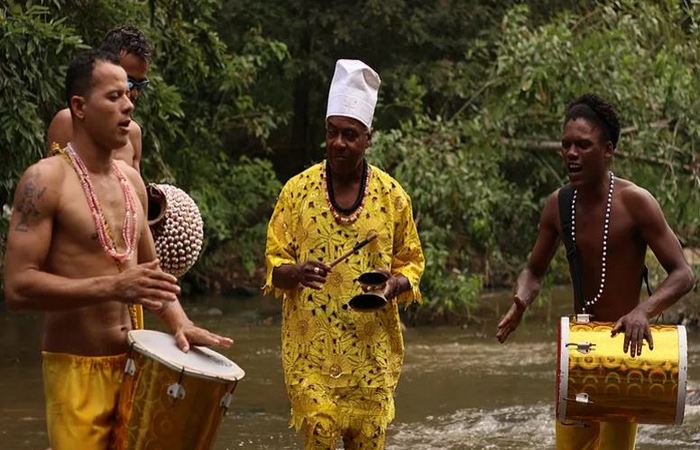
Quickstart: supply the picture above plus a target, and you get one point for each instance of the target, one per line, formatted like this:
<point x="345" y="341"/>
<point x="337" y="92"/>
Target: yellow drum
<point x="596" y="381"/>
<point x="170" y="399"/>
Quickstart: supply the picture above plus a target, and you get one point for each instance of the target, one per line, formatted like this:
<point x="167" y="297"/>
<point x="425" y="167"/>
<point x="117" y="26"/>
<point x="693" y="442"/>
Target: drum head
<point x="198" y="361"/>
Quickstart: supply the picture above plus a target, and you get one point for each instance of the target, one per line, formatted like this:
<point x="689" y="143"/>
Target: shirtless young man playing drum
<point x="134" y="53"/>
<point x="79" y="249"/>
<point x="611" y="277"/>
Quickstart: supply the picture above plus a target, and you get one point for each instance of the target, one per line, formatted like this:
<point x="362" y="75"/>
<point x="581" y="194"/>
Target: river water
<point x="459" y="389"/>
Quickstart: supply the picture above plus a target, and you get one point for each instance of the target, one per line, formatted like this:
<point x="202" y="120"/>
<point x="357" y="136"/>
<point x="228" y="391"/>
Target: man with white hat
<point x="342" y="366"/>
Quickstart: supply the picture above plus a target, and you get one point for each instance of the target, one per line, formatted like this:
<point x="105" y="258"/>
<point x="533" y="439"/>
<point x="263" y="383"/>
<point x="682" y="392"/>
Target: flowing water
<point x="459" y="389"/>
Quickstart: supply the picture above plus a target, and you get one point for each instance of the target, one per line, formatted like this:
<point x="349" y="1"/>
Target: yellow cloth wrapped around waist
<point x="81" y="398"/>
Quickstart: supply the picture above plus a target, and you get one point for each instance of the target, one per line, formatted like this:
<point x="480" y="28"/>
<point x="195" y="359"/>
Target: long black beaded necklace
<point x="352" y="213"/>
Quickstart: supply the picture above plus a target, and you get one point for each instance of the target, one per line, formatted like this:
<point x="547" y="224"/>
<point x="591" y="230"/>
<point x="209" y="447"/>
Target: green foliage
<point x="34" y="50"/>
<point x="196" y="114"/>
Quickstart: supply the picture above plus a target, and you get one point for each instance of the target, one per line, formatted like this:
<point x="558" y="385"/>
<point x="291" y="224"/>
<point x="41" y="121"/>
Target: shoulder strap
<point x="564" y="198"/>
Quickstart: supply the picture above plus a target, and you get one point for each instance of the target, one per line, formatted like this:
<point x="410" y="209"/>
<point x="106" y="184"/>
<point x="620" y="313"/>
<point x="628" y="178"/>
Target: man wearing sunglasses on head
<point x="134" y="53"/>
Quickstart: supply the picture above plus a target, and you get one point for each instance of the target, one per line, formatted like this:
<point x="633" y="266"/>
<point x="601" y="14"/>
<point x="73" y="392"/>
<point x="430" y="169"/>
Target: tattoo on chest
<point x="30" y="193"/>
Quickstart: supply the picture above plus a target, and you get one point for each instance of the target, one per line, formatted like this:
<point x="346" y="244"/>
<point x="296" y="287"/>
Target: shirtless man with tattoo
<point x="79" y="250"/>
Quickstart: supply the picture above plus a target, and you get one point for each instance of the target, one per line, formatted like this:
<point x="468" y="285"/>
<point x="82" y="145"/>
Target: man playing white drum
<point x="79" y="249"/>
<point x="613" y="223"/>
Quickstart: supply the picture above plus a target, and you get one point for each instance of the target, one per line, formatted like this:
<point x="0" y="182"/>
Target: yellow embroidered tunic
<point x="326" y="345"/>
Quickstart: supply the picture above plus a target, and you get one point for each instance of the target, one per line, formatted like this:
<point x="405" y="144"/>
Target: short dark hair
<point x="79" y="73"/>
<point x="597" y="111"/>
<point x="128" y="39"/>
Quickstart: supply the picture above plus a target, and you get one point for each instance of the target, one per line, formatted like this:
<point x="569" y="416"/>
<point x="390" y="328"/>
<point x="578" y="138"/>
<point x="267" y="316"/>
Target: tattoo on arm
<point x="26" y="207"/>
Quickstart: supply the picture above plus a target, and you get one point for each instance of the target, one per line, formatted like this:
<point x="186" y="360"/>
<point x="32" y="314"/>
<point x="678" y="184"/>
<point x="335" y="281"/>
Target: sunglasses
<point x="138" y="85"/>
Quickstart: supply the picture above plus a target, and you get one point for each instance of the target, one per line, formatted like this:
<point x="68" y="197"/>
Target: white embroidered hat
<point x="353" y="91"/>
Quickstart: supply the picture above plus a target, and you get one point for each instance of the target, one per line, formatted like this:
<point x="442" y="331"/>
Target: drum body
<point x="170" y="399"/>
<point x="597" y="382"/>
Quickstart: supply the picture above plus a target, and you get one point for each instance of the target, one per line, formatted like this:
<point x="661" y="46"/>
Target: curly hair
<point x="129" y="39"/>
<point x="598" y="112"/>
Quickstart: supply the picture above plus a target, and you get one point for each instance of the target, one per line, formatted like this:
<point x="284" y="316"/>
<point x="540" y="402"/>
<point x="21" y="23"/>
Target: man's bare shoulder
<point x="41" y="181"/>
<point x="634" y="197"/>
<point x="60" y="129"/>
<point x="550" y="211"/>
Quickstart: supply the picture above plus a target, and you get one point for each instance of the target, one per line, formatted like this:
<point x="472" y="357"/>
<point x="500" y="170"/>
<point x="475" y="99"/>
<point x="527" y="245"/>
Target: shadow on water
<point x="460" y="389"/>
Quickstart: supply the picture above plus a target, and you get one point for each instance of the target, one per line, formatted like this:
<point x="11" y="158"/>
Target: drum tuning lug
<point x="581" y="397"/>
<point x="130" y="367"/>
<point x="582" y="347"/>
<point x="176" y="391"/>
<point x="582" y="318"/>
<point x="226" y="401"/>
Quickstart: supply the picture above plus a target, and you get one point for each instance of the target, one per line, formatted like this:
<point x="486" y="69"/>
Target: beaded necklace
<point x="349" y="215"/>
<point x="103" y="233"/>
<point x="135" y="312"/>
<point x="606" y="228"/>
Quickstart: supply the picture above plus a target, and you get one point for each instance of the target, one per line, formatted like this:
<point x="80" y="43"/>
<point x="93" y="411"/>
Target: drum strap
<point x="566" y="193"/>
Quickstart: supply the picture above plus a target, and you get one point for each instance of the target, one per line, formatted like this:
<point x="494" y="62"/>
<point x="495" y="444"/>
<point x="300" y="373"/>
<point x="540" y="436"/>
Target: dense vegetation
<point x="468" y="119"/>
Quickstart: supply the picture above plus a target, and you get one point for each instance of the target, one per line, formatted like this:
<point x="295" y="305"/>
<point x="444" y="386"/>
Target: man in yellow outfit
<point x="607" y="214"/>
<point x="79" y="249"/>
<point x="341" y="366"/>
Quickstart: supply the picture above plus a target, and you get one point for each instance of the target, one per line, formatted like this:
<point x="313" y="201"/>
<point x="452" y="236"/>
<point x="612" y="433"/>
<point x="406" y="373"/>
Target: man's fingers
<point x="160" y="275"/>
<point x="151" y="305"/>
<point x="616" y="329"/>
<point x="649" y="338"/>
<point x="164" y="286"/>
<point x="181" y="341"/>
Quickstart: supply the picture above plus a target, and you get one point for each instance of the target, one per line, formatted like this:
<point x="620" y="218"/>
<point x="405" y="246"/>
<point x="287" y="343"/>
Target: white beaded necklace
<point x="606" y="228"/>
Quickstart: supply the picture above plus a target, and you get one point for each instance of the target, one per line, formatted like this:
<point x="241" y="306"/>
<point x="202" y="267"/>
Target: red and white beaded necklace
<point x="103" y="234"/>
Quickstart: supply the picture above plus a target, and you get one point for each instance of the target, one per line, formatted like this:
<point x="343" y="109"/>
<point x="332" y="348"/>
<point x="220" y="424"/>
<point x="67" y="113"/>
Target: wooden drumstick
<point x="370" y="237"/>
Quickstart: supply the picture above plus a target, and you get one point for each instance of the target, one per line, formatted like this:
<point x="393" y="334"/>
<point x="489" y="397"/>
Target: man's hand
<point x="635" y="325"/>
<point x="392" y="287"/>
<point x="509" y="322"/>
<point x="312" y="274"/>
<point x="146" y="284"/>
<point x="190" y="334"/>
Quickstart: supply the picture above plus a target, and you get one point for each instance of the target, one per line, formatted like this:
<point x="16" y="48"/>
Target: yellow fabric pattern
<point x="325" y="344"/>
<point x="81" y="399"/>
<point x="597" y="436"/>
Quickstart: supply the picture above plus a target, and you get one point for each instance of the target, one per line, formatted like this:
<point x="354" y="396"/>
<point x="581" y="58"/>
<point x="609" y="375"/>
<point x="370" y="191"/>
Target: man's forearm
<point x="678" y="283"/>
<point x="527" y="286"/>
<point x="286" y="276"/>
<point x="43" y="291"/>
<point x="173" y="315"/>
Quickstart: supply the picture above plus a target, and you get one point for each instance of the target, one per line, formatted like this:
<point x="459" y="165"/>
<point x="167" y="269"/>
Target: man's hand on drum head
<point x="190" y="334"/>
<point x="312" y="274"/>
<point x="509" y="322"/>
<point x="146" y="284"/>
<point x="635" y="325"/>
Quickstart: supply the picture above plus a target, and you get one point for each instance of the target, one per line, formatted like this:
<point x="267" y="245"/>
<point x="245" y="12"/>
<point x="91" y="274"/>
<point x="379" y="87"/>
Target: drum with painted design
<point x="597" y="382"/>
<point x="170" y="399"/>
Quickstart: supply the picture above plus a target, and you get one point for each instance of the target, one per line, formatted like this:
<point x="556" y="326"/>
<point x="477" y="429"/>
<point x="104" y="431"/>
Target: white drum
<point x="170" y="399"/>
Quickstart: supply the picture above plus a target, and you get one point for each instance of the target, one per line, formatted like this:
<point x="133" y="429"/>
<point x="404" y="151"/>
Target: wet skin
<point x="636" y="222"/>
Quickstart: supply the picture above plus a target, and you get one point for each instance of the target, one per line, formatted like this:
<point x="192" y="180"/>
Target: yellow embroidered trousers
<point x="81" y="398"/>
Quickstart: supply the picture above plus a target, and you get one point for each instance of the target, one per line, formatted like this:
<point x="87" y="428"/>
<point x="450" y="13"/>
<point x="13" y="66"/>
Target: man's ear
<point x="369" y="136"/>
<point x="609" y="151"/>
<point x="77" y="107"/>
